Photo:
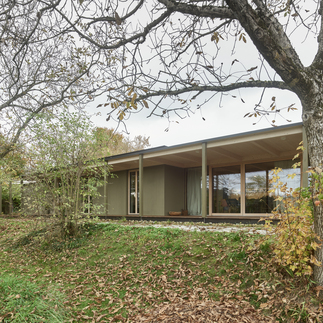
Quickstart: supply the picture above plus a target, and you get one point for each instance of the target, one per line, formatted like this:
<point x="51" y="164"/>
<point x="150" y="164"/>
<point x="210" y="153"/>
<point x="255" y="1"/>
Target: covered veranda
<point x="262" y="146"/>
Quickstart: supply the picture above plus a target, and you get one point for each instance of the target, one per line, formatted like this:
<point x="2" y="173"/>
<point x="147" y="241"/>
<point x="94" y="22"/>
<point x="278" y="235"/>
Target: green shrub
<point x="295" y="241"/>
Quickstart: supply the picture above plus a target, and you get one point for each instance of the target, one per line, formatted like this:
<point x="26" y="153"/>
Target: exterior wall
<point x="117" y="193"/>
<point x="174" y="189"/>
<point x="164" y="189"/>
<point x="98" y="202"/>
<point x="154" y="190"/>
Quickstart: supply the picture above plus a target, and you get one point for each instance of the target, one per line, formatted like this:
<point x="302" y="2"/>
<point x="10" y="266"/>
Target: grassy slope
<point x="115" y="272"/>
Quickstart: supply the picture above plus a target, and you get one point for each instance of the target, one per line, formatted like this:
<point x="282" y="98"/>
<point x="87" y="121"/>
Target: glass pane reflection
<point x="258" y="182"/>
<point x="133" y="192"/>
<point x="226" y="189"/>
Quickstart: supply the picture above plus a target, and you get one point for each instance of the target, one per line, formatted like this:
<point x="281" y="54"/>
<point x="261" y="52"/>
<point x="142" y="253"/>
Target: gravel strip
<point x="201" y="228"/>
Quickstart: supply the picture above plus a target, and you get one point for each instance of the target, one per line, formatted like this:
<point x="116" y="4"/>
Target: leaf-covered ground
<point x="119" y="273"/>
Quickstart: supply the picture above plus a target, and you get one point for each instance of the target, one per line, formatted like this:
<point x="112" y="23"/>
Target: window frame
<point x="137" y="192"/>
<point x="242" y="188"/>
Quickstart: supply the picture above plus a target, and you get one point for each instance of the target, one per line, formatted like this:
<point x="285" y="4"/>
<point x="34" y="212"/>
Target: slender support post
<point x="304" y="161"/>
<point x="0" y="198"/>
<point x="210" y="190"/>
<point x="141" y="188"/>
<point x="10" y="198"/>
<point x="243" y="189"/>
<point x="185" y="191"/>
<point x="218" y="196"/>
<point x="204" y="180"/>
<point x="105" y="188"/>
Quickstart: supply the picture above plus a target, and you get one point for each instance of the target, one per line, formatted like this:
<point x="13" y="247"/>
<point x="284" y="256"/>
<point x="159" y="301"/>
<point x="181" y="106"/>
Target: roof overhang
<point x="277" y="143"/>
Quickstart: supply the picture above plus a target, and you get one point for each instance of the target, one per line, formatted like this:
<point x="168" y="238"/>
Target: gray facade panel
<point x="154" y="192"/>
<point x="117" y="193"/>
<point x="174" y="189"/>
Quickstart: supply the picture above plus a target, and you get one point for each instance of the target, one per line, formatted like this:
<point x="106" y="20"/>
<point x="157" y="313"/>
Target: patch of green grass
<point x="113" y="269"/>
<point x="23" y="301"/>
<point x="48" y="238"/>
<point x="238" y="256"/>
<point x="29" y="238"/>
<point x="265" y="247"/>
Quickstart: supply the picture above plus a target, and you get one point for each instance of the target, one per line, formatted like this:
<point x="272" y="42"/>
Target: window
<point x="258" y="183"/>
<point x="226" y="195"/>
<point x="194" y="185"/>
<point x="134" y="192"/>
<point x="194" y="190"/>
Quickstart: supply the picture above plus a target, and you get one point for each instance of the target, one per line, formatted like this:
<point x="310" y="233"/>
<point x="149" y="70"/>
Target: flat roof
<point x="254" y="133"/>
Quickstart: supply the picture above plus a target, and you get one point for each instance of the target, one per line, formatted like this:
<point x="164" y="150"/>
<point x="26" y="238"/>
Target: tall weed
<point x="295" y="241"/>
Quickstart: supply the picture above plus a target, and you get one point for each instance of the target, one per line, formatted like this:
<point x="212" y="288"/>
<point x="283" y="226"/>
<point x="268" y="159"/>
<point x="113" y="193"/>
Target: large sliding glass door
<point x="243" y="189"/>
<point x="258" y="183"/>
<point x="134" y="192"/>
<point x="226" y="193"/>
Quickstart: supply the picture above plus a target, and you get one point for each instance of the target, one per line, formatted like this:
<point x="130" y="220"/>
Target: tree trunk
<point x="313" y="122"/>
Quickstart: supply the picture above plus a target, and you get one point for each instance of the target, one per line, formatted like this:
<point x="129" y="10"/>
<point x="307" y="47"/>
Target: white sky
<point x="218" y="121"/>
<point x="229" y="118"/>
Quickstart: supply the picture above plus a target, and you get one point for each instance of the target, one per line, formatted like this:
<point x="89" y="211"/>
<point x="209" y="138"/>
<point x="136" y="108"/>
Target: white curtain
<point x="194" y="192"/>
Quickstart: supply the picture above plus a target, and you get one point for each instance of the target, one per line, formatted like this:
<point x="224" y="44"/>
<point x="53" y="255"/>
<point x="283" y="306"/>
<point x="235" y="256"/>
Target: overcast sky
<point x="229" y="118"/>
<point x="218" y="121"/>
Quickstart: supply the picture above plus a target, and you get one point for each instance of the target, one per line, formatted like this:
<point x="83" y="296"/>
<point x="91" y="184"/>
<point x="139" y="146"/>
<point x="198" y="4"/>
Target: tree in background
<point x="12" y="166"/>
<point x="114" y="143"/>
<point x="63" y="169"/>
<point x="43" y="65"/>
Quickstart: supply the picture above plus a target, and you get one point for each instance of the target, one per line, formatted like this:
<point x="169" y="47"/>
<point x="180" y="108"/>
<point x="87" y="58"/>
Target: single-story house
<point x="224" y="177"/>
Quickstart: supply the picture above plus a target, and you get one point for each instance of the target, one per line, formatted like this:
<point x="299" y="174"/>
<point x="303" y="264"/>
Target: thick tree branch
<point x="199" y="11"/>
<point x="215" y="88"/>
<point x="318" y="60"/>
<point x="272" y="42"/>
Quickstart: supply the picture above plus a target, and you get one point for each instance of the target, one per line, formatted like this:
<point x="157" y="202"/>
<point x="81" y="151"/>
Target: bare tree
<point x="171" y="52"/>
<point x="42" y="65"/>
